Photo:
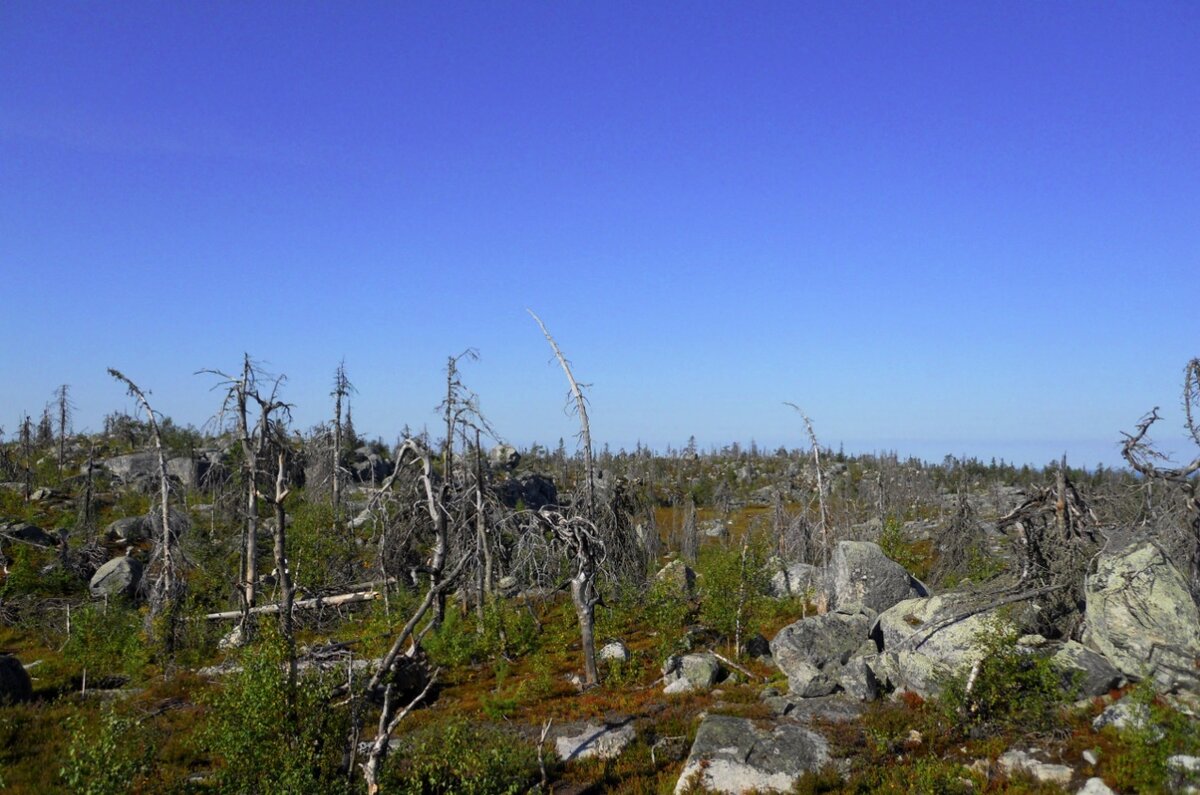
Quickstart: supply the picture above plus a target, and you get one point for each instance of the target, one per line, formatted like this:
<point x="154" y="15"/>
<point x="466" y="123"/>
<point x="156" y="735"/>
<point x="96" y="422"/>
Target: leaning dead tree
<point x="585" y="432"/>
<point x="1141" y="454"/>
<point x="167" y="585"/>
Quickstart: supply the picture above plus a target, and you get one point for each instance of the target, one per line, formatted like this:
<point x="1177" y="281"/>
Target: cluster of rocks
<point x="885" y="632"/>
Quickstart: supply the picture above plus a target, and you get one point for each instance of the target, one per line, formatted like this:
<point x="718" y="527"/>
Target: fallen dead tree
<point x="303" y="604"/>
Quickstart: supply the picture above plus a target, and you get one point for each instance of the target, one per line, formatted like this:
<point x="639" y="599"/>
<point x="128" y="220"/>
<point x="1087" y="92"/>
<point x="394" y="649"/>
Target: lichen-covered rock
<point x="1138" y="605"/>
<point x="691" y="672"/>
<point x="677" y="575"/>
<point x="799" y="579"/>
<point x="812" y="651"/>
<point x="1044" y="772"/>
<point x="1086" y="670"/>
<point x="119" y="577"/>
<point x="923" y="640"/>
<point x="865" y="577"/>
<point x="603" y="741"/>
<point x="614" y="651"/>
<point x="733" y="755"/>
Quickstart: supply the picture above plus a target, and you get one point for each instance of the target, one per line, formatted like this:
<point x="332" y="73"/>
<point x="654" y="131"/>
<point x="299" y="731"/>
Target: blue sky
<point x="939" y="227"/>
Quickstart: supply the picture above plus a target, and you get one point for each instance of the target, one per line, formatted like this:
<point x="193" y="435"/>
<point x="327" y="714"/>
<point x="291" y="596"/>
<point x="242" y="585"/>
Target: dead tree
<point x="241" y="390"/>
<point x="64" y="406"/>
<point x="167" y="584"/>
<point x="689" y="534"/>
<point x="1141" y="454"/>
<point x="341" y="392"/>
<point x="581" y="540"/>
<point x="1056" y="534"/>
<point x="25" y="443"/>
<point x="585" y="433"/>
<point x="824" y="513"/>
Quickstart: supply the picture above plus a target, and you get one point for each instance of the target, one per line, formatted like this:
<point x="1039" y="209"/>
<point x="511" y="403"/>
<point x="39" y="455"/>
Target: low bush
<point x="455" y="756"/>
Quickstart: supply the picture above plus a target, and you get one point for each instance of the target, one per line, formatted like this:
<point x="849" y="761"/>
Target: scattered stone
<point x="1043" y="772"/>
<point x="508" y="586"/>
<point x="1091" y="757"/>
<point x="42" y="494"/>
<point x="858" y="680"/>
<point x="1095" y="786"/>
<point x="603" y="741"/>
<point x="733" y="755"/>
<point x="1138" y="604"/>
<point x="865" y="577"/>
<point x="15" y="684"/>
<point x="234" y="639"/>
<point x="614" y="651"/>
<point x="119" y="577"/>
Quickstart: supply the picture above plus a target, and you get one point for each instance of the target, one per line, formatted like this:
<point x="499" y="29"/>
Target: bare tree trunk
<point x="824" y="514"/>
<point x="585" y="434"/>
<point x="286" y="590"/>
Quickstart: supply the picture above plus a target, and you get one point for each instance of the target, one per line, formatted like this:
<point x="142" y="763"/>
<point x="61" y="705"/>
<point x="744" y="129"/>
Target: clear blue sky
<point x="939" y="227"/>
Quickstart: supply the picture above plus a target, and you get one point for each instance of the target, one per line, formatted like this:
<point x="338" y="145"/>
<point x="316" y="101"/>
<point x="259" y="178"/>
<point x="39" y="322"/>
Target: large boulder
<point x="119" y="577"/>
<point x="531" y="490"/>
<point x="733" y="755"/>
<point x="865" y="577"/>
<point x="132" y="466"/>
<point x="689" y="672"/>
<point x="15" y="685"/>
<point x="812" y="651"/>
<point x="923" y="640"/>
<point x="1141" y="616"/>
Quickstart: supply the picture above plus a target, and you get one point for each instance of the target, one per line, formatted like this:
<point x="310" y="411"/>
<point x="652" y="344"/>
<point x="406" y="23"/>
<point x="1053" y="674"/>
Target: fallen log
<point x="303" y="604"/>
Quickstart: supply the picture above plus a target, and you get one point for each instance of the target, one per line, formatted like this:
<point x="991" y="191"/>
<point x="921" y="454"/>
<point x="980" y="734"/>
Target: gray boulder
<point x="504" y="456"/>
<point x="689" y="672"/>
<point x="812" y="651"/>
<point x="799" y="579"/>
<point x="679" y="576"/>
<point x="1087" y="671"/>
<point x="132" y="465"/>
<point x="602" y="742"/>
<point x="1138" y="607"/>
<point x="1016" y="761"/>
<point x="615" y="651"/>
<point x="865" y="577"/>
<point x="128" y="530"/>
<point x="119" y="577"/>
<point x="15" y="685"/>
<point x="733" y="755"/>
<point x="921" y="644"/>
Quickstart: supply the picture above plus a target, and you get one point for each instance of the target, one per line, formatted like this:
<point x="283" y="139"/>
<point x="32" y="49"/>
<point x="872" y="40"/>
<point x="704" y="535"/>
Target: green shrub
<point x="915" y="556"/>
<point x="734" y="587"/>
<point x="666" y="613"/>
<point x="34" y="572"/>
<point x="266" y="742"/>
<point x="1139" y="759"/>
<point x="1015" y="687"/>
<point x="456" y="756"/>
<point x="104" y="759"/>
<point x="455" y="643"/>
<point x="107" y="640"/>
